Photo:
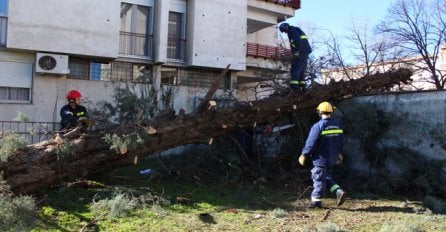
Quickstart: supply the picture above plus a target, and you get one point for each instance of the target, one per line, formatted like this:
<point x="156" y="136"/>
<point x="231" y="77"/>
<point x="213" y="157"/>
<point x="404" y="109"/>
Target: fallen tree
<point x="81" y="152"/>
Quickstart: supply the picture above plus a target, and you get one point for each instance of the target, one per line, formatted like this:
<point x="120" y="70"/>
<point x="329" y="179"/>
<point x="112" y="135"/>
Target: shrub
<point x="16" y="213"/>
<point x="400" y="227"/>
<point x="9" y="144"/>
<point x="279" y="213"/>
<point x="435" y="204"/>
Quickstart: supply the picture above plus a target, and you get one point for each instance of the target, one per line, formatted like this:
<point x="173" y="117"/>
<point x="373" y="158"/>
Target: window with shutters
<point x="15" y="82"/>
<point x="136" y="34"/>
<point x="3" y="21"/>
<point x="176" y="38"/>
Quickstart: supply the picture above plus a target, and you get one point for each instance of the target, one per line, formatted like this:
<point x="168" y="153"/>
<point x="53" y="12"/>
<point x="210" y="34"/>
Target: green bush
<point x="279" y="213"/>
<point x="16" y="213"/>
<point x="119" y="205"/>
<point x="10" y="143"/>
<point x="400" y="227"/>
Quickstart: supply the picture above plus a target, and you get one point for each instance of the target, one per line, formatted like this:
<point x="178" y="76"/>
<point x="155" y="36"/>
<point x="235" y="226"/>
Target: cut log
<point x="43" y="165"/>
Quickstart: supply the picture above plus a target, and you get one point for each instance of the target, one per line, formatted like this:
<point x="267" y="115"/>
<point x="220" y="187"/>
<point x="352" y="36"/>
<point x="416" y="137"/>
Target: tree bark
<point x="43" y="165"/>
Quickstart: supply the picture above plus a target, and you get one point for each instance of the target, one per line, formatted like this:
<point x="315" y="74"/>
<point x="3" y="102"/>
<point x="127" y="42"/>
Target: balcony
<point x="134" y="44"/>
<point x="266" y="51"/>
<point x="295" y="4"/>
<point x="267" y="13"/>
<point x="3" y="27"/>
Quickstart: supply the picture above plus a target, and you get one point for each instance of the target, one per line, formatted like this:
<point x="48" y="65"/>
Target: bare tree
<point x="417" y="27"/>
<point x="366" y="49"/>
<point x="328" y="56"/>
<point x="361" y="55"/>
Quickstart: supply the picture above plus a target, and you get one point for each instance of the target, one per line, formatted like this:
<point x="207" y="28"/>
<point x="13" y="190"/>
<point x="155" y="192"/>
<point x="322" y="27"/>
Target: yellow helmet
<point x="325" y="107"/>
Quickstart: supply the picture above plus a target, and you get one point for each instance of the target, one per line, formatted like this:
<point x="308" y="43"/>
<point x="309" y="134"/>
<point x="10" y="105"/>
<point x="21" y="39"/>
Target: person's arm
<point x="82" y="112"/>
<point x="68" y="117"/>
<point x="311" y="140"/>
<point x="295" y="41"/>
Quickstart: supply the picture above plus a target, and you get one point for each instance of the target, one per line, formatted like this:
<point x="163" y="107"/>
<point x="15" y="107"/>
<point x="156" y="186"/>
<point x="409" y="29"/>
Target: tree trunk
<point x="44" y="164"/>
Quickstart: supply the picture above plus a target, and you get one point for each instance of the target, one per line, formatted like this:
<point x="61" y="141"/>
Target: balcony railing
<point x="266" y="51"/>
<point x="134" y="44"/>
<point x="176" y="49"/>
<point x="3" y="27"/>
<point x="291" y="3"/>
<point x="33" y="132"/>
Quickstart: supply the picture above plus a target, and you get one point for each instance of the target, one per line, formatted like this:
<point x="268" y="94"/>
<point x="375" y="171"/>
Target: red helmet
<point x="73" y="94"/>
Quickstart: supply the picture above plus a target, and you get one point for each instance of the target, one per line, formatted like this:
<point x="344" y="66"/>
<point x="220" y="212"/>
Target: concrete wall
<point x="418" y="123"/>
<point x="267" y="36"/>
<point x="217" y="33"/>
<point x="161" y="24"/>
<point x="49" y="96"/>
<point x="81" y="27"/>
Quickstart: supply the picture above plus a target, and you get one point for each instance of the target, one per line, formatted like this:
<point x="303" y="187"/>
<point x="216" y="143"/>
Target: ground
<point x="176" y="203"/>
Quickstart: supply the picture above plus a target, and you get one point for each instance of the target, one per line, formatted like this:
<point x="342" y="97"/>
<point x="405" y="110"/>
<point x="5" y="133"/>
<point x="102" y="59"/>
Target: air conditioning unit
<point x="52" y="63"/>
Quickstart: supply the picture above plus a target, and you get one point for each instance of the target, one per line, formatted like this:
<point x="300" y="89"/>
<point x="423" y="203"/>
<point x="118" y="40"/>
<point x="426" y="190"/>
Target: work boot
<point x="301" y="89"/>
<point x="315" y="204"/>
<point x="340" y="197"/>
<point x="295" y="88"/>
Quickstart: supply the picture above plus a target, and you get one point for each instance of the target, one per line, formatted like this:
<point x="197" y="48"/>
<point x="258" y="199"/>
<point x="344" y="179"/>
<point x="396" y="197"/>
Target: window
<point x="136" y="35"/>
<point x="176" y="38"/>
<point x="3" y="21"/>
<point x="15" y="82"/>
<point x="169" y="75"/>
<point x="79" y="69"/>
<point x="114" y="71"/>
<point x="193" y="78"/>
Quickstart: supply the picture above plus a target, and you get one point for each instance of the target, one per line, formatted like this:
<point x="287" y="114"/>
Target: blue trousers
<point x="322" y="180"/>
<point x="298" y="66"/>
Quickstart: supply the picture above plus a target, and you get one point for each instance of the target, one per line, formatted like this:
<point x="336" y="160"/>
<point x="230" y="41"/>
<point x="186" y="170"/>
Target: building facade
<point x="49" y="47"/>
<point x="421" y="77"/>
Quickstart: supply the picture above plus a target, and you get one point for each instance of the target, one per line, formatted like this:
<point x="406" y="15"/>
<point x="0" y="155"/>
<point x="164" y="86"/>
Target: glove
<point x="84" y="121"/>
<point x="340" y="159"/>
<point x="302" y="159"/>
<point x="296" y="55"/>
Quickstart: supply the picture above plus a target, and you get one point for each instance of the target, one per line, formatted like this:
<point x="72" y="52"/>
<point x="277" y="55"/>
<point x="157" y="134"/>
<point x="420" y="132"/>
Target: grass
<point x="177" y="203"/>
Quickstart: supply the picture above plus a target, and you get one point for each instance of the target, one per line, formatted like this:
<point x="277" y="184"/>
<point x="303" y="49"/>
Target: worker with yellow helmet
<point x="324" y="146"/>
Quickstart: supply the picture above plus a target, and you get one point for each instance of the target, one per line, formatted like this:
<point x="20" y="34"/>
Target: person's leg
<point x="302" y="68"/>
<point x="295" y="70"/>
<point x="318" y="175"/>
<point x="335" y="188"/>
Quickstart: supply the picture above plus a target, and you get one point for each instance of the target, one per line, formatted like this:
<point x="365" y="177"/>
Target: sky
<point x="337" y="16"/>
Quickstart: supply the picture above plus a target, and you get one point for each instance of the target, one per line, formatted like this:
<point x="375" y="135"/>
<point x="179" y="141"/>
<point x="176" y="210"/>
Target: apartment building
<point x="49" y="47"/>
<point x="421" y="77"/>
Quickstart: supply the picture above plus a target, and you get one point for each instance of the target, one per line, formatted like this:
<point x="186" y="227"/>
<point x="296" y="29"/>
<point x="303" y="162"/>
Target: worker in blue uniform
<point x="300" y="50"/>
<point x="324" y="146"/>
<point x="73" y="112"/>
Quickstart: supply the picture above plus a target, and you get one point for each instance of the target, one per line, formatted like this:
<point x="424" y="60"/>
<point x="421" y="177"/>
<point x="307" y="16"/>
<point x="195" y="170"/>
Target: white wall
<point x="81" y="27"/>
<point x="161" y="24"/>
<point x="217" y="33"/>
<point x="267" y="36"/>
<point x="48" y="96"/>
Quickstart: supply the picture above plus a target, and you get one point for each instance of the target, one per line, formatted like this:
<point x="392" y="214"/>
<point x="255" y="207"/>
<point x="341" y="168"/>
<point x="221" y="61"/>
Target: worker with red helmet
<point x="73" y="112"/>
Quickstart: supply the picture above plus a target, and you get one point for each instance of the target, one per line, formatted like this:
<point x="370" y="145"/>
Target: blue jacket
<point x="325" y="142"/>
<point x="70" y="116"/>
<point x="298" y="41"/>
